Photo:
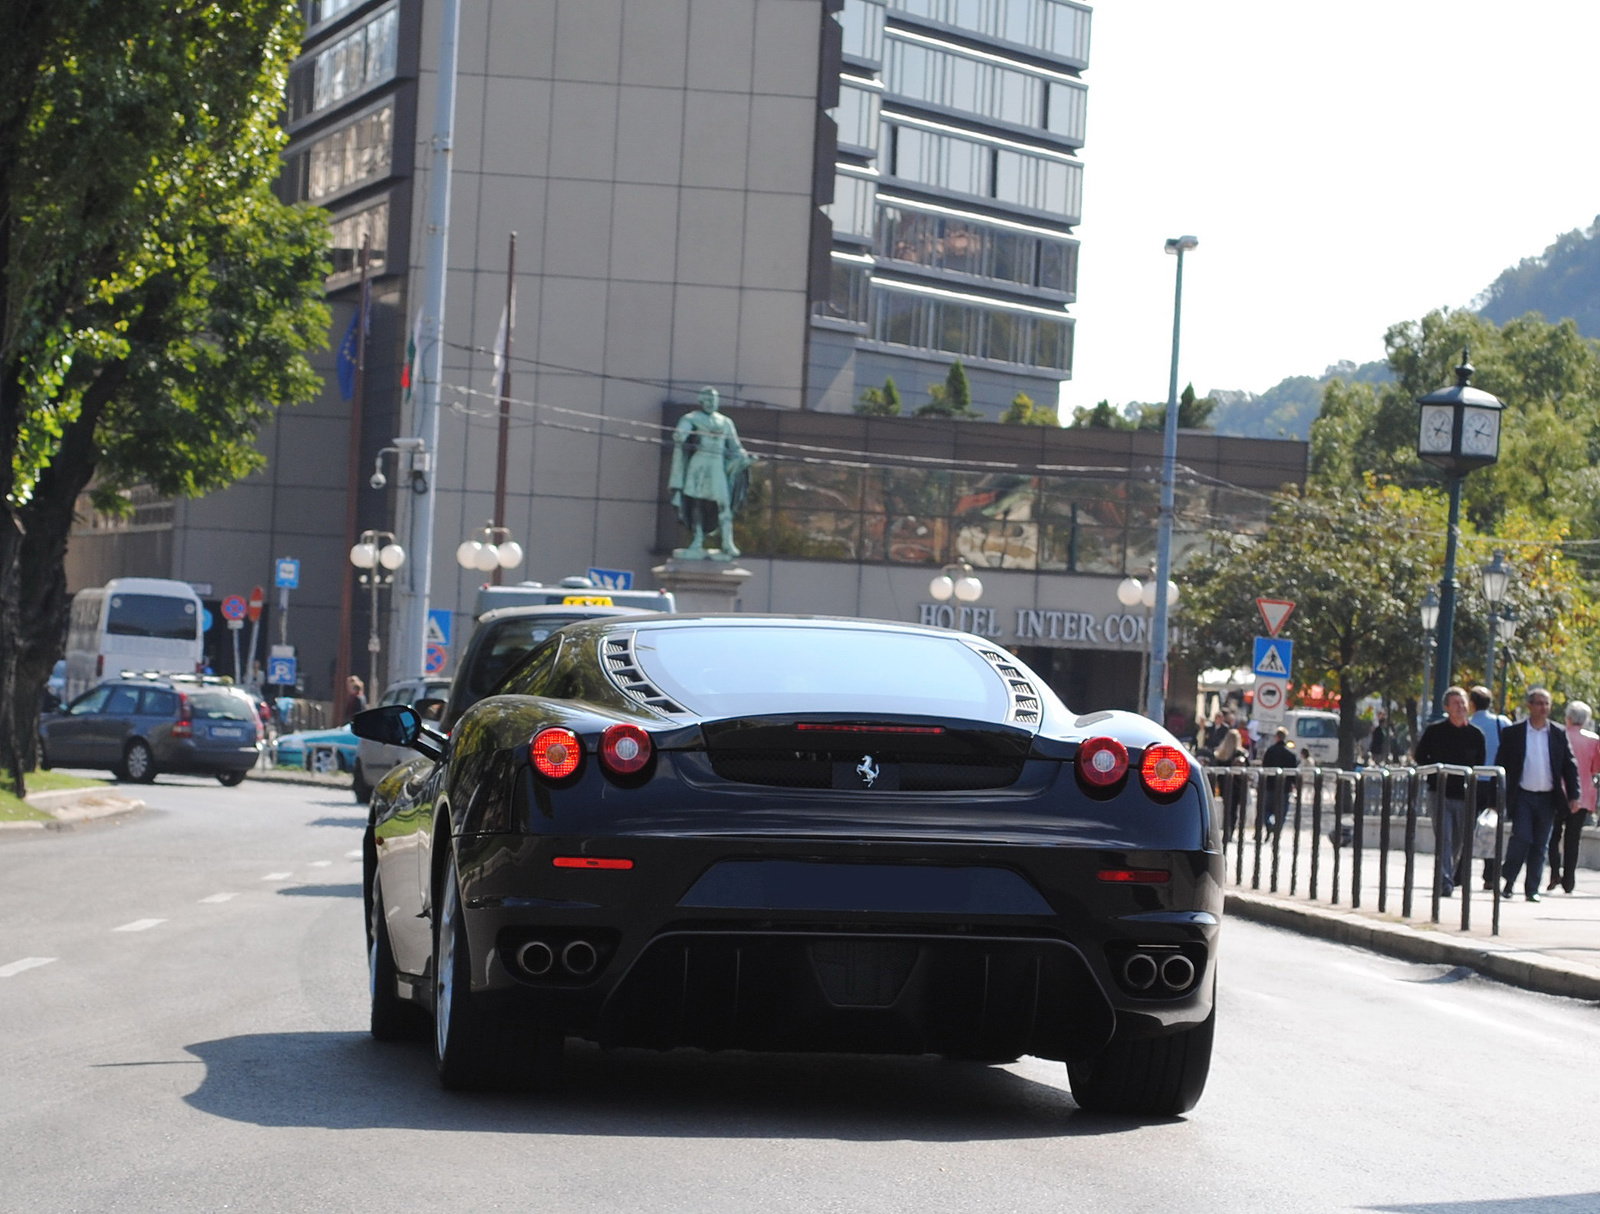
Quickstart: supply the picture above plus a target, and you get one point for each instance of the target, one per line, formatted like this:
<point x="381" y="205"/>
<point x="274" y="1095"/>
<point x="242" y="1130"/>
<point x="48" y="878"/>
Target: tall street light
<point x="1131" y="592"/>
<point x="1506" y="627"/>
<point x="1155" y="695"/>
<point x="377" y="556"/>
<point x="1429" y="611"/>
<point x="1496" y="576"/>
<point x="1458" y="429"/>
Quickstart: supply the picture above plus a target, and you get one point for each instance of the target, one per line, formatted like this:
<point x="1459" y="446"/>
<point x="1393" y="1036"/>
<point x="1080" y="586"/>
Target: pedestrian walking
<point x="1378" y="743"/>
<point x="1278" y="788"/>
<point x="1455" y="741"/>
<point x="1489" y="723"/>
<point x="1541" y="776"/>
<point x="1567" y="836"/>
<point x="355" y="697"/>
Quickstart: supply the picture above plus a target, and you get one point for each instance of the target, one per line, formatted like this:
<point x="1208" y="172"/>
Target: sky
<point x="1345" y="166"/>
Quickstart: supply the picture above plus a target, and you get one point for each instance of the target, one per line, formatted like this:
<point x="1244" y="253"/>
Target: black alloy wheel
<point x="230" y="779"/>
<point x="393" y="1018"/>
<point x="138" y="764"/>
<point x="477" y="1048"/>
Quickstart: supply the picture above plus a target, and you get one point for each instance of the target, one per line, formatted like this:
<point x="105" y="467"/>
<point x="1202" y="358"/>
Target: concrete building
<point x="684" y="178"/>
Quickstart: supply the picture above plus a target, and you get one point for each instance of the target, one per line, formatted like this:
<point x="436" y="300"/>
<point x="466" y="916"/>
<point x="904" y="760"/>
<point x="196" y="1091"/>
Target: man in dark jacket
<point x="1541" y="778"/>
<point x="1278" y="789"/>
<point x="1457" y="742"/>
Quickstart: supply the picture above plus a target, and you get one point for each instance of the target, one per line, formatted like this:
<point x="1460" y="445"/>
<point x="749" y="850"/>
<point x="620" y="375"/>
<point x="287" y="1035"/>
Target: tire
<point x="1150" y="1077"/>
<point x="393" y="1018"/>
<point x="477" y="1048"/>
<point x="359" y="785"/>
<point x="138" y="764"/>
<point x="324" y="761"/>
<point x="230" y="779"/>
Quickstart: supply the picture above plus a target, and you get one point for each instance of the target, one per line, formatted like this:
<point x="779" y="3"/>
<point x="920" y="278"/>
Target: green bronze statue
<point x="710" y="473"/>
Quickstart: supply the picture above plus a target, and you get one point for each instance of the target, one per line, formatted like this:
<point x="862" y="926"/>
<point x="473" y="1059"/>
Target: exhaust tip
<point x="1177" y="972"/>
<point x="536" y="958"/>
<point x="1139" y="971"/>
<point x="579" y="958"/>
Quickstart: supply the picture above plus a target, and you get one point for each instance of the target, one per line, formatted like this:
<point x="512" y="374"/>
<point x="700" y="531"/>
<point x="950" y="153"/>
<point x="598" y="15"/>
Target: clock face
<point x="1480" y="432"/>
<point x="1437" y="425"/>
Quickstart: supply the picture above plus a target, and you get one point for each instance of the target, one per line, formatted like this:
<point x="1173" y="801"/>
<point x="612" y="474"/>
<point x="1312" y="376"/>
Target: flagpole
<point x="352" y="478"/>
<point x="505" y="395"/>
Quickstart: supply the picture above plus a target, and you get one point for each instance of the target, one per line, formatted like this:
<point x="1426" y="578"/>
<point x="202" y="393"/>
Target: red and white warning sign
<point x="1270" y="697"/>
<point x="1274" y="612"/>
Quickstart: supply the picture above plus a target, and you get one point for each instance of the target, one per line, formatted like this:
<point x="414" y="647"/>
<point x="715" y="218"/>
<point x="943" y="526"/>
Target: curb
<point x="306" y="778"/>
<point x="1515" y="967"/>
<point x="67" y="806"/>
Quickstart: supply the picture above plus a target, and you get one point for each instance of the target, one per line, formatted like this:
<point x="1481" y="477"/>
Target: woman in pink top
<point x="1568" y="834"/>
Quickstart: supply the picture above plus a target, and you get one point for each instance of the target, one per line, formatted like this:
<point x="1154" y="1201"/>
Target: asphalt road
<point x="196" y="1043"/>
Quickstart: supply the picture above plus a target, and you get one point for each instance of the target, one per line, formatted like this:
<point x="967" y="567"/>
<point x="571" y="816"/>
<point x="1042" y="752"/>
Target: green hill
<point x="1287" y="409"/>
<point x="1562" y="281"/>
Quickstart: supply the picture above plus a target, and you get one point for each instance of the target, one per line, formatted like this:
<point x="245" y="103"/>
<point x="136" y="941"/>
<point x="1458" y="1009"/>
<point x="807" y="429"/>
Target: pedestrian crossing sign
<point x="1274" y="657"/>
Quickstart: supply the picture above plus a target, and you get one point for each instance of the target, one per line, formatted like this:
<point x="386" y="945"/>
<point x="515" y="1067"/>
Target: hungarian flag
<point x="408" y="373"/>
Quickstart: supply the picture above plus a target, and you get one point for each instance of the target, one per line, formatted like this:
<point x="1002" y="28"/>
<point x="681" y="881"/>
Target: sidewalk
<point x="71" y="805"/>
<point x="1552" y="946"/>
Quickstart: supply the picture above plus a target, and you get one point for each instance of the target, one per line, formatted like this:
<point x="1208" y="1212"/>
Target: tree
<point x="1194" y="413"/>
<point x="158" y="298"/>
<point x="1023" y="412"/>
<point x="880" y="402"/>
<point x="1102" y="417"/>
<point x="953" y="398"/>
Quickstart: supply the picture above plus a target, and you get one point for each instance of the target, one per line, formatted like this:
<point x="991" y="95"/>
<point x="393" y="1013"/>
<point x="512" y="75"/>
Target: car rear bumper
<point x="988" y="951"/>
<point x="207" y="760"/>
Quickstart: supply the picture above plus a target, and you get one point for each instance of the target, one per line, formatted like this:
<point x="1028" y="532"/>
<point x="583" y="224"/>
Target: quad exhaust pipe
<point x="1174" y="972"/>
<point x="538" y="960"/>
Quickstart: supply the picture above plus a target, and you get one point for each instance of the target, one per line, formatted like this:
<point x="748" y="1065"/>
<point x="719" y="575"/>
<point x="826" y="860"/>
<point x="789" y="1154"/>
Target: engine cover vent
<point x="622" y="666"/>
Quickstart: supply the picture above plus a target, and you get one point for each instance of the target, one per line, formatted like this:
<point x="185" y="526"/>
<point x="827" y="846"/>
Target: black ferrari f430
<point x="792" y="834"/>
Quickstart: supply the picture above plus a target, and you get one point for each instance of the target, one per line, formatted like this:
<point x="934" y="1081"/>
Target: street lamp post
<point x="378" y="556"/>
<point x="1131" y="592"/>
<point x="1156" y="686"/>
<point x="1506" y="628"/>
<point x="956" y="581"/>
<point x="495" y="550"/>
<point x="1496" y="575"/>
<point x="1429" y="612"/>
<point x="1458" y="430"/>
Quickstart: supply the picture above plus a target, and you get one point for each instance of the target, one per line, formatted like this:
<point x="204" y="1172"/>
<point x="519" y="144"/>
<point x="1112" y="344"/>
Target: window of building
<point x="968" y="328"/>
<point x="1067" y="105"/>
<point x="1047" y="25"/>
<point x="960" y="82"/>
<point x="857" y="117"/>
<point x="964" y="166"/>
<point x="863" y="29"/>
<point x="355" y="154"/>
<point x="959" y="245"/>
<point x="847" y="298"/>
<point x="348" y="231"/>
<point x="358" y="61"/>
<point x="322" y="10"/>
<point x="851" y="208"/>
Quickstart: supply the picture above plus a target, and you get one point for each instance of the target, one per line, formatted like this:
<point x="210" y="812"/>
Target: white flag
<point x="508" y="321"/>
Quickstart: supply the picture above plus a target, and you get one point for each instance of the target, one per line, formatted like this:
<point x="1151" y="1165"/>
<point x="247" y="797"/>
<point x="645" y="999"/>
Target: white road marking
<point x="139" y="925"/>
<point x="353" y="855"/>
<point x="220" y="898"/>
<point x="1430" y="997"/>
<point x="321" y="863"/>
<point x="284" y="876"/>
<point x="27" y="963"/>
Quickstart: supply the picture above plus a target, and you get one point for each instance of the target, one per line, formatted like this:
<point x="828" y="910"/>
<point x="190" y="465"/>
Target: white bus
<point x="133" y="623"/>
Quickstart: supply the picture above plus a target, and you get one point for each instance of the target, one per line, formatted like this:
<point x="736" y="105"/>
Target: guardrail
<point x="1259" y="806"/>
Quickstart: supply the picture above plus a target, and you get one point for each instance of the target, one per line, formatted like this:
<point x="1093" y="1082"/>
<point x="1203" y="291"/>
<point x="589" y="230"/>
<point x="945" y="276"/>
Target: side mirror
<point x="393" y="725"/>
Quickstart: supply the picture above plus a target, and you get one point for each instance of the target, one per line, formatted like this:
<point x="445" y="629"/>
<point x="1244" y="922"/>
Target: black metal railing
<point x="1329" y="820"/>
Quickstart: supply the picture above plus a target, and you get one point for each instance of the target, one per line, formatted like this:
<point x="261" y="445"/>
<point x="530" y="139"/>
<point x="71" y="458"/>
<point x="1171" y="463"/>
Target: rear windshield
<point x="153" y="615"/>
<point x="507" y="645"/>
<point x="220" y="706"/>
<point x="745" y="671"/>
<point x="1316" y="727"/>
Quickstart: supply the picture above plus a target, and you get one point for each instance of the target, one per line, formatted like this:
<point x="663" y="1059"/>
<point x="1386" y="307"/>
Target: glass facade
<point x="863" y="29"/>
<point x="961" y="245"/>
<point x="981" y="170"/>
<point x="945" y="77"/>
<point x="348" y="231"/>
<point x="995" y="520"/>
<point x="346" y="68"/>
<point x="355" y="154"/>
<point x="1046" y="25"/>
<point x="969" y="328"/>
<point x="851" y="208"/>
<point x="857" y="117"/>
<point x="847" y="298"/>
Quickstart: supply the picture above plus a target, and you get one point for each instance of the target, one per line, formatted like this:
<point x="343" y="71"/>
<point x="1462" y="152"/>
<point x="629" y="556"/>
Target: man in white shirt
<point x="1541" y="775"/>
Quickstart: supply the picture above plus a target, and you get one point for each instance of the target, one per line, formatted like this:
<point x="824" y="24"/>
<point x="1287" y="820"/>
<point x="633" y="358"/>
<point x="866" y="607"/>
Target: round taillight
<point x="556" y="753"/>
<point x="624" y="749"/>
<point x="1102" y="761"/>
<point x="1165" y="769"/>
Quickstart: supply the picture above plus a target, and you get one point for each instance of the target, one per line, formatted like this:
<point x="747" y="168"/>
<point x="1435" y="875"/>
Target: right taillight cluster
<point x="1103" y="762"/>
<point x="557" y="752"/>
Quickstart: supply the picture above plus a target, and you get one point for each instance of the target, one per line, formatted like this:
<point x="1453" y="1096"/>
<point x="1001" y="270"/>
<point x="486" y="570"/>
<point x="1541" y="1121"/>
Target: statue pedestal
<point x="702" y="585"/>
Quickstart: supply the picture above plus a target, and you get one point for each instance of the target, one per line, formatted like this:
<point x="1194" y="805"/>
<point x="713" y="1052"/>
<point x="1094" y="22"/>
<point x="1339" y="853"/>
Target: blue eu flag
<point x="346" y="363"/>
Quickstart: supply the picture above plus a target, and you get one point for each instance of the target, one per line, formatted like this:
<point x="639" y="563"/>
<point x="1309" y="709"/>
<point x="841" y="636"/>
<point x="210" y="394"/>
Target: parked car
<point x="141" y="727"/>
<point x="1315" y="734"/>
<point x="324" y="751"/>
<point x="777" y="833"/>
<point x="374" y="759"/>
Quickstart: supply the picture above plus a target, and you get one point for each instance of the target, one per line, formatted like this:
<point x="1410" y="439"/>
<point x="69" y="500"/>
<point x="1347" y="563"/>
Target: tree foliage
<point x="952" y="399"/>
<point x="1194" y="413"/>
<point x="880" y="402"/>
<point x="1563" y="281"/>
<point x="1024" y="412"/>
<point x="158" y="298"/>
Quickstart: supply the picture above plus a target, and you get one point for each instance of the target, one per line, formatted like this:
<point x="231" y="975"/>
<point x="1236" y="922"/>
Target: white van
<point x="135" y="624"/>
<point x="1315" y="734"/>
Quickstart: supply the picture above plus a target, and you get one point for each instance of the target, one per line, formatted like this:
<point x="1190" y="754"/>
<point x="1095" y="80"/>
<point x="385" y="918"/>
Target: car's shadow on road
<point x="347" y="1081"/>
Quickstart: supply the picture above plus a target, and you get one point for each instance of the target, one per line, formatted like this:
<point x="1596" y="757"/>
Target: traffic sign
<point x="234" y="608"/>
<point x="258" y="600"/>
<point x="612" y="579"/>
<point x="235" y="625"/>
<point x="1274" y="657"/>
<point x="286" y="573"/>
<point x="206" y="619"/>
<point x="281" y="672"/>
<point x="438" y="655"/>
<point x="1271" y="696"/>
<point x="439" y="627"/>
<point x="1274" y="612"/>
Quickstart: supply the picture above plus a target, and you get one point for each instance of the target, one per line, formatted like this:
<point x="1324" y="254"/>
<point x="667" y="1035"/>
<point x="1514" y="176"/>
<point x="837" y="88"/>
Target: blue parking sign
<point x="281" y="672"/>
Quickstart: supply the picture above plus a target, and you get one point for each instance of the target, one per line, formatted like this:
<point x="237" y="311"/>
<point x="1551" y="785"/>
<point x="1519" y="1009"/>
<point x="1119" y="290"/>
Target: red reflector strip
<point x="823" y="727"/>
<point x="591" y="862"/>
<point x="1136" y="876"/>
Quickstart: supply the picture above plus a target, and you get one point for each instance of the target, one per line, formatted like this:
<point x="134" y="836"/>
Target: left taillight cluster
<point x="557" y="752"/>
<point x="183" y="727"/>
<point x="1103" y="762"/>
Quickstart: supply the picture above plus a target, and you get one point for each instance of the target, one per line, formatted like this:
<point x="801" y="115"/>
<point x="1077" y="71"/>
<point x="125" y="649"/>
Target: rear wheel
<point x="1151" y="1077"/>
<point x="230" y="779"/>
<point x="477" y="1047"/>
<point x="138" y="764"/>
<point x="393" y="1018"/>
